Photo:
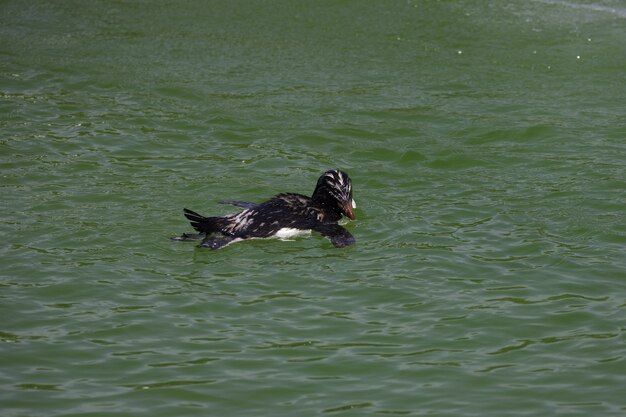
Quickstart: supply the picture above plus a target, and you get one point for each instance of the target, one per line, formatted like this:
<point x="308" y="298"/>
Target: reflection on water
<point x="596" y="7"/>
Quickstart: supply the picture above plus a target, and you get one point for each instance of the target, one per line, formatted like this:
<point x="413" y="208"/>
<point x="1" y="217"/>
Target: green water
<point x="486" y="142"/>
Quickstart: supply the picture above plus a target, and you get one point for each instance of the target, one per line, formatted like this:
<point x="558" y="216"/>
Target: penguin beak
<point x="348" y="210"/>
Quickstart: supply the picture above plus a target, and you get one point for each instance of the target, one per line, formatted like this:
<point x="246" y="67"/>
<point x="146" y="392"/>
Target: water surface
<point x="485" y="141"/>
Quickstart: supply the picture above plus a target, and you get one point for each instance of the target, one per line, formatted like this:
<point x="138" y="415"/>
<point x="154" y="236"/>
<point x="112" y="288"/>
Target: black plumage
<point x="331" y="199"/>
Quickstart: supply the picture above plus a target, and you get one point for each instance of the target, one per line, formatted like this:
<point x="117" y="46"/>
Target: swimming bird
<point x="284" y="215"/>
